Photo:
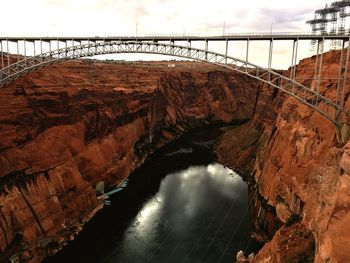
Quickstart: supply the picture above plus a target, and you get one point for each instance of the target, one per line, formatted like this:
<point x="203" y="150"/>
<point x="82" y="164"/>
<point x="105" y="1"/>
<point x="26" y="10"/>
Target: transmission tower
<point x="331" y="20"/>
<point x="343" y="11"/>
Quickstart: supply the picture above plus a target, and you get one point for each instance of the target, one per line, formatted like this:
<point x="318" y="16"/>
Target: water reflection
<point x="170" y="225"/>
<point x="177" y="207"/>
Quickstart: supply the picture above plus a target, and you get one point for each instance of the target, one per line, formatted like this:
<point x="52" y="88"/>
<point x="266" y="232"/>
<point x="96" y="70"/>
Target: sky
<point x="144" y="17"/>
<point x="122" y="17"/>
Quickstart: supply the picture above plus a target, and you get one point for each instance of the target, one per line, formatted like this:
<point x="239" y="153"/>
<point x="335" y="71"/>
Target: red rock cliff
<point x="300" y="170"/>
<point x="66" y="127"/>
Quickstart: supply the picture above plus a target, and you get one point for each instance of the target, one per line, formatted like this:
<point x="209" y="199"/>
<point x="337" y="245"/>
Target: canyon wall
<point x="299" y="169"/>
<point x="68" y="126"/>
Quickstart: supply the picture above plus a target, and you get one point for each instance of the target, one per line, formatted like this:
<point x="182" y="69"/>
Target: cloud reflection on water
<point x="182" y="199"/>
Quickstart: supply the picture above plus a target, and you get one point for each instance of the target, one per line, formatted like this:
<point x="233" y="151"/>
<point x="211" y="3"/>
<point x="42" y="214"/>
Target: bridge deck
<point x="224" y="37"/>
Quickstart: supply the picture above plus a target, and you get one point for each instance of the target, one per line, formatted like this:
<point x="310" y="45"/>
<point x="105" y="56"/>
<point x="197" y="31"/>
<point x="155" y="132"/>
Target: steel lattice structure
<point x="334" y="14"/>
<point x="308" y="95"/>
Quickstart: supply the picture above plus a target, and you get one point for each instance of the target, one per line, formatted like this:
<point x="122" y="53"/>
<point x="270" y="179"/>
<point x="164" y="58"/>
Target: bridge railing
<point x="245" y="34"/>
<point x="190" y="36"/>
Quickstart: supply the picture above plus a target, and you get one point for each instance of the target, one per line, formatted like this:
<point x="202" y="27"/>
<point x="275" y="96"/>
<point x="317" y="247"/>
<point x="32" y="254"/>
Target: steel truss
<point x="306" y="95"/>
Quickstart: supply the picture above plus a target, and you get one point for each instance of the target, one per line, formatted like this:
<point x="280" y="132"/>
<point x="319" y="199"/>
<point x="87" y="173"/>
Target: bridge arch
<point x="299" y="91"/>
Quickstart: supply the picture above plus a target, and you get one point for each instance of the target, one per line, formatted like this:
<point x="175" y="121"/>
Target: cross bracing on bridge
<point x="64" y="48"/>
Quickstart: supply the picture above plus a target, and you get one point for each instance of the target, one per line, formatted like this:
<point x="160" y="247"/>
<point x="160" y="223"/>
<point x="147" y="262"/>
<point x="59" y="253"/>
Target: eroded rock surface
<point x="301" y="170"/>
<point x="69" y="126"/>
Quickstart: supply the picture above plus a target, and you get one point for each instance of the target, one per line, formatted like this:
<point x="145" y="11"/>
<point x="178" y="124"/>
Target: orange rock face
<point x="66" y="127"/>
<point x="302" y="170"/>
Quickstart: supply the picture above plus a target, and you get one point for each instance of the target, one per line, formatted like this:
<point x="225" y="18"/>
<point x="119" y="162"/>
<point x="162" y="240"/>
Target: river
<point x="180" y="206"/>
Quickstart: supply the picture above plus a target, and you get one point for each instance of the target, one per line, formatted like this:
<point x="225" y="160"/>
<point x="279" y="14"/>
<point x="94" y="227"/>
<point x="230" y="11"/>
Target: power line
<point x="233" y="235"/>
<point x="206" y="229"/>
<point x="167" y="235"/>
<point x="217" y="231"/>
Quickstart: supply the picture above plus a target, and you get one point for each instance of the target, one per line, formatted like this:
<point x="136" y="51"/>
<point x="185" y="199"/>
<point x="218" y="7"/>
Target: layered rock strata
<point x="69" y="126"/>
<point x="300" y="168"/>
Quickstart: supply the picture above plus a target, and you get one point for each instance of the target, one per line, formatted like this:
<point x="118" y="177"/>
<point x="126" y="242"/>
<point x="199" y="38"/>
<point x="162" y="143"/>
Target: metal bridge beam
<point x="17" y="45"/>
<point x="2" y="55"/>
<point x="25" y="52"/>
<point x="319" y="72"/>
<point x="340" y="72"/>
<point x="234" y="37"/>
<point x="95" y="47"/>
<point x="296" y="60"/>
<point x="345" y="74"/>
<point x="206" y="49"/>
<point x="247" y="54"/>
<point x="226" y="50"/>
<point x="8" y="52"/>
<point x="270" y="58"/>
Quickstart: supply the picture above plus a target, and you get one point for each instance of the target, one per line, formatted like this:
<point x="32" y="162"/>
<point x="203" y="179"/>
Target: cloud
<point x="76" y="17"/>
<point x="121" y="17"/>
<point x="285" y="16"/>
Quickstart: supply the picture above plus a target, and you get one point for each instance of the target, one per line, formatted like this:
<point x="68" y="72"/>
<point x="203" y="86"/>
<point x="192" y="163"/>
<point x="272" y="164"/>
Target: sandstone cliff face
<point x="301" y="171"/>
<point x="67" y="127"/>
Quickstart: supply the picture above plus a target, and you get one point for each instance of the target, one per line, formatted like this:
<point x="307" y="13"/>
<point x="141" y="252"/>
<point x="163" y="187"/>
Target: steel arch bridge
<point x="307" y="95"/>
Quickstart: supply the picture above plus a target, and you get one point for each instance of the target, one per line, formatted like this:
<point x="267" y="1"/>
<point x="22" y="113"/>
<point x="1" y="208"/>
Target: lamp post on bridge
<point x="271" y="28"/>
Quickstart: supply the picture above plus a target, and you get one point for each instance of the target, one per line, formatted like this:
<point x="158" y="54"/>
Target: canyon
<point x="67" y="127"/>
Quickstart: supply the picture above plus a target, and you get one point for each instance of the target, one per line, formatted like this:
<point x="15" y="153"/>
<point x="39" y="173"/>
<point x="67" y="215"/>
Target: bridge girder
<point x="290" y="86"/>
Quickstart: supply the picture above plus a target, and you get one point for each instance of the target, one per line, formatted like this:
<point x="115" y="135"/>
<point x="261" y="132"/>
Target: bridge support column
<point x="247" y="56"/>
<point x="17" y="44"/>
<point x="295" y="59"/>
<point x="270" y="58"/>
<point x="345" y="73"/>
<point x="41" y="50"/>
<point x="226" y="50"/>
<point x="337" y="101"/>
<point x="316" y="62"/>
<point x="206" y="49"/>
<point x="2" y="55"/>
<point x="319" y="73"/>
<point x="189" y="46"/>
<point x="172" y="42"/>
<point x="73" y="47"/>
<point x="25" y="52"/>
<point x="292" y="64"/>
<point x="34" y="46"/>
<point x="8" y="52"/>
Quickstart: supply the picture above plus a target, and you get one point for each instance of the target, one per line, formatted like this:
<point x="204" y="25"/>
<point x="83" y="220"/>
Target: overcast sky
<point x="120" y="17"/>
<point x="125" y="17"/>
